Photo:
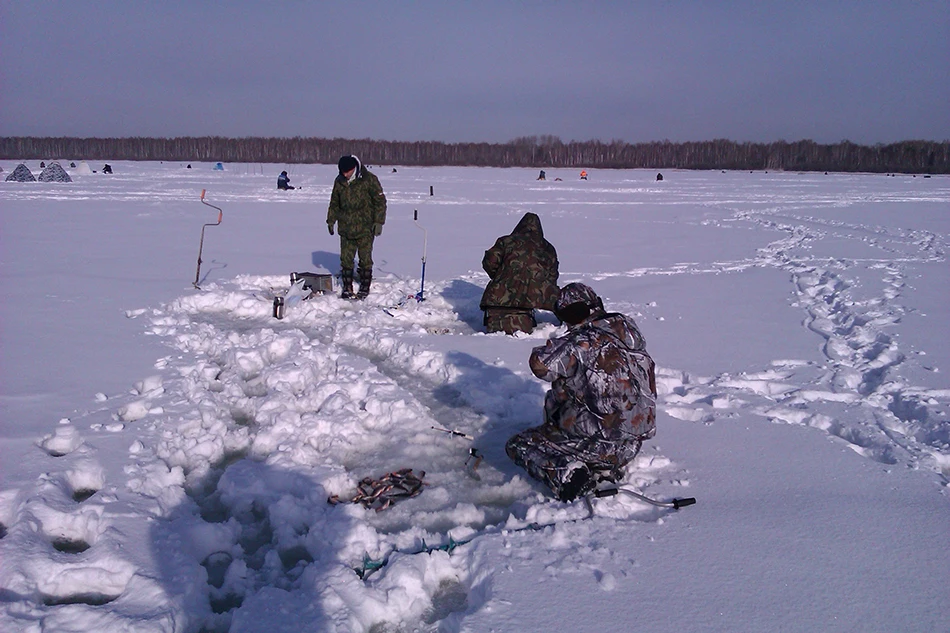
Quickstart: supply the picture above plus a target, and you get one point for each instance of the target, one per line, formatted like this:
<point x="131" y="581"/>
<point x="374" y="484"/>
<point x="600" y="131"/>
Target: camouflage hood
<point x="577" y="302"/>
<point x="530" y="224"/>
<point x="578" y="293"/>
<point x="523" y="268"/>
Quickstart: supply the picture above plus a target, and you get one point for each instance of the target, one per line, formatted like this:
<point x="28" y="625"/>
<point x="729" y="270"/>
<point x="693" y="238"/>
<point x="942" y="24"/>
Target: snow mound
<point x="64" y="440"/>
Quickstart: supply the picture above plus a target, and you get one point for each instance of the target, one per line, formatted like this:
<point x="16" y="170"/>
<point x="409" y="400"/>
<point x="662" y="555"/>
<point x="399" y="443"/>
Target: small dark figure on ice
<point x="602" y="402"/>
<point x="358" y="208"/>
<point x="283" y="182"/>
<point x="523" y="268"/>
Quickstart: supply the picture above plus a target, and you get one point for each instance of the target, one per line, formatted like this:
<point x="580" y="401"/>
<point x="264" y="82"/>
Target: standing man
<point x="358" y="208"/>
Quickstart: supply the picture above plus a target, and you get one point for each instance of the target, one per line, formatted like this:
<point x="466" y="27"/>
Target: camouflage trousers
<point x="550" y="455"/>
<point x="509" y="321"/>
<point x="349" y="249"/>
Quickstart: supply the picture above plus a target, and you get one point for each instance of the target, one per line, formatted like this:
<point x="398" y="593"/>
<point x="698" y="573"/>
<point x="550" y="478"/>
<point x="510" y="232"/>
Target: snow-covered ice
<point x="168" y="452"/>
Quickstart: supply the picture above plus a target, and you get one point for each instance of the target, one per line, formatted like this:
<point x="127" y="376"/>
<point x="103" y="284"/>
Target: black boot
<point x="578" y="484"/>
<point x="346" y="279"/>
<point x="366" y="278"/>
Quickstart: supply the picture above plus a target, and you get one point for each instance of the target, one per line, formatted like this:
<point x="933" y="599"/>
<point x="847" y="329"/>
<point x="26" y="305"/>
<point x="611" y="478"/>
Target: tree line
<point x="928" y="157"/>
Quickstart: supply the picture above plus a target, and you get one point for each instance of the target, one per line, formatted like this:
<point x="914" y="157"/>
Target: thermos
<point x="278" y="307"/>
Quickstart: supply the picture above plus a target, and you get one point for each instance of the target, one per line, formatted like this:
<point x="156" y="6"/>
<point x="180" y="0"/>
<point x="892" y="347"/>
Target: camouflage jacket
<point x="356" y="206"/>
<point x="523" y="269"/>
<point x="602" y="379"/>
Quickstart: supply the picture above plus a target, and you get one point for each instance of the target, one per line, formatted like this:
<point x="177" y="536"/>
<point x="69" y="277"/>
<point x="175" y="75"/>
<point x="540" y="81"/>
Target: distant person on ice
<point x="523" y="268"/>
<point x="602" y="401"/>
<point x="358" y="208"/>
<point x="283" y="181"/>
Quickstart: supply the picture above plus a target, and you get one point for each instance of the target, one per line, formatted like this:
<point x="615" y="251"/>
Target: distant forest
<point x="544" y="152"/>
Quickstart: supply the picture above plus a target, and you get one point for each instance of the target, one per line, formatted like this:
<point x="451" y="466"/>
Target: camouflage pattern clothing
<point x="523" y="268"/>
<point x="358" y="208"/>
<point x="602" y="401"/>
<point x="509" y="321"/>
<point x="362" y="246"/>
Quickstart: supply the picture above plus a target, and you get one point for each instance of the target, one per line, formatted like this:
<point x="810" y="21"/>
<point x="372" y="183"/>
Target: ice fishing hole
<point x="92" y="599"/>
<point x="293" y="556"/>
<point x="69" y="546"/>
<point x="226" y="603"/>
<point x="82" y="494"/>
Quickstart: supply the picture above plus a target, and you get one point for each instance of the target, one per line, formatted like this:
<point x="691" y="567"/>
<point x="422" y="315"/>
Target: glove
<point x="377" y="229"/>
<point x="330" y="228"/>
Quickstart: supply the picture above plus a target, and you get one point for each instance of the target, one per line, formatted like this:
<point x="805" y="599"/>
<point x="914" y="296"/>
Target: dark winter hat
<point x="576" y="302"/>
<point x="347" y="163"/>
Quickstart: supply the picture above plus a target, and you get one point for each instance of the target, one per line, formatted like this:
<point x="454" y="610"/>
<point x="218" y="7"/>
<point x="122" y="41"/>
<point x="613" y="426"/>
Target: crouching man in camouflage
<point x="358" y="207"/>
<point x="602" y="401"/>
<point x="523" y="270"/>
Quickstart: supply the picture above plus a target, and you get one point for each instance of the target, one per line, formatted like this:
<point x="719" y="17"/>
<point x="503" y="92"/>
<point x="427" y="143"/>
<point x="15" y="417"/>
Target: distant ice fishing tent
<point x="218" y="167"/>
<point x="54" y="173"/>
<point x="84" y="169"/>
<point x="22" y="173"/>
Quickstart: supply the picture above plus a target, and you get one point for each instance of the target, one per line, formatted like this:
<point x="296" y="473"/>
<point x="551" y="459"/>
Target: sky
<point x="869" y="72"/>
<point x="166" y="452"/>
